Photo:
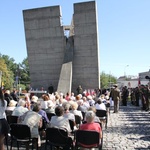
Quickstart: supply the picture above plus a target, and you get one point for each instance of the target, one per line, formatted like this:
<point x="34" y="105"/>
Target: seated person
<point x="59" y="121"/>
<point x="33" y="120"/>
<point x="44" y="101"/>
<point x="96" y="118"/>
<point x="20" y="109"/>
<point x="103" y="98"/>
<point x="67" y="113"/>
<point x="11" y="107"/>
<point x="74" y="106"/>
<point x="43" y="113"/>
<point x="7" y="96"/>
<point x="50" y="108"/>
<point x="100" y="105"/>
<point x="90" y="124"/>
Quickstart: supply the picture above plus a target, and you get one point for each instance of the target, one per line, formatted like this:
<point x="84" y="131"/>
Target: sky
<point x="123" y="31"/>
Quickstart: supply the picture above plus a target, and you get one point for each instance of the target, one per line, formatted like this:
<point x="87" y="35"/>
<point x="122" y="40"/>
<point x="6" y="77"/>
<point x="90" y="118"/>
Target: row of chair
<point x="102" y="114"/>
<point x="12" y="120"/>
<point x="56" y="137"/>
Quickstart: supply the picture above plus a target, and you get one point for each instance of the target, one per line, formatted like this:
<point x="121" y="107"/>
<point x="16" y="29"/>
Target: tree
<point x="10" y="62"/>
<point x="107" y="80"/>
<point x="7" y="75"/>
<point x="23" y="73"/>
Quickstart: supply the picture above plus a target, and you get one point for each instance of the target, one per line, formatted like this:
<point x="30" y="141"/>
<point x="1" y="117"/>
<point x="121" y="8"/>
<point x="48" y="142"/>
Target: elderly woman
<point x="7" y="96"/>
<point x="67" y="113"/>
<point x="11" y="107"/>
<point x="90" y="124"/>
<point x="59" y="120"/>
<point x="96" y="119"/>
<point x="74" y="110"/>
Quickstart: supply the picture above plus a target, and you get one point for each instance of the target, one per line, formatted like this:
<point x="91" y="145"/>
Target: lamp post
<point x="125" y="70"/>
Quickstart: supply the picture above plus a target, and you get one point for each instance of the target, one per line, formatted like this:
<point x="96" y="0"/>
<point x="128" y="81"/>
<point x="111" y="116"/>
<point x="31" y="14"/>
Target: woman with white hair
<point x="90" y="124"/>
<point x="7" y="96"/>
<point x="11" y="107"/>
<point x="67" y="113"/>
<point x="90" y="100"/>
<point x="74" y="110"/>
<point x="20" y="109"/>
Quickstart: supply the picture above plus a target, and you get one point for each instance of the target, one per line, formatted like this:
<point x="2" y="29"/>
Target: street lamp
<point x="125" y="70"/>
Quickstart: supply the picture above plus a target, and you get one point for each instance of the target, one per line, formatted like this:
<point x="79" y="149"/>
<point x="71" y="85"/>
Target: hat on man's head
<point x="34" y="99"/>
<point x="12" y="103"/>
<point x="115" y="85"/>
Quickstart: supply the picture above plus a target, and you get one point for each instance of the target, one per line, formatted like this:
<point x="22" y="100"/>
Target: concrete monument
<point x="60" y="60"/>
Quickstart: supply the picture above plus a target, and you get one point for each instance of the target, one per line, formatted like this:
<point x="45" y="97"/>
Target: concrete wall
<point x="45" y="45"/>
<point x="86" y="52"/>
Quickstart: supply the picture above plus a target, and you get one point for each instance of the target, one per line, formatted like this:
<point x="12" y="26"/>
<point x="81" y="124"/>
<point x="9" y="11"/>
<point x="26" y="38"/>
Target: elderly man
<point x="20" y="109"/>
<point x="59" y="120"/>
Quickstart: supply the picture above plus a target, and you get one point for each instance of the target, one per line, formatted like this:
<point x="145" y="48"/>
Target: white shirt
<point x="100" y="106"/>
<point x="32" y="119"/>
<point x="44" y="104"/>
<point x="10" y="108"/>
<point x="69" y="116"/>
<point x="60" y="122"/>
<point x="77" y="112"/>
<point x="2" y="109"/>
<point x="19" y="111"/>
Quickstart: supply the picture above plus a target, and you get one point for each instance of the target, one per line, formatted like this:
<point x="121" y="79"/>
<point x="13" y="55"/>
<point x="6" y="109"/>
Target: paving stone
<point x="128" y="130"/>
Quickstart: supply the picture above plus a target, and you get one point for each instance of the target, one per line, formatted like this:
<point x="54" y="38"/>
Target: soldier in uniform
<point x="116" y="98"/>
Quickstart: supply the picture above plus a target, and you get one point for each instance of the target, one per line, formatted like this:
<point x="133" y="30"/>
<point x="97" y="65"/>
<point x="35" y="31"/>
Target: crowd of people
<point x="32" y="110"/>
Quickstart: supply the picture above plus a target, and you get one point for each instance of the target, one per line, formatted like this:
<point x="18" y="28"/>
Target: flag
<point x="139" y="82"/>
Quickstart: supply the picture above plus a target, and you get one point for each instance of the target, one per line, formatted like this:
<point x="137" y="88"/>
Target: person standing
<point x="116" y="98"/>
<point x="146" y="95"/>
<point x="79" y="90"/>
<point x="50" y="89"/>
<point x="4" y="128"/>
<point x="15" y="95"/>
<point x="137" y="96"/>
<point x="125" y="94"/>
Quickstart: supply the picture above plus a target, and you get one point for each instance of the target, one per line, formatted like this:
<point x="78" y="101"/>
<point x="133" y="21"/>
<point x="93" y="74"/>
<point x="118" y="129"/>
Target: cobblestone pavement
<point x="127" y="130"/>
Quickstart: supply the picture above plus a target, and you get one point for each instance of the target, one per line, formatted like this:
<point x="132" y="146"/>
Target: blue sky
<point x="124" y="32"/>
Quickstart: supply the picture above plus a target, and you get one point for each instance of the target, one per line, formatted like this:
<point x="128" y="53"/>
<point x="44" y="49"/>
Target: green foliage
<point x="10" y="62"/>
<point x="7" y="75"/>
<point x="10" y="70"/>
<point x="22" y="86"/>
<point x="107" y="80"/>
<point x="24" y="72"/>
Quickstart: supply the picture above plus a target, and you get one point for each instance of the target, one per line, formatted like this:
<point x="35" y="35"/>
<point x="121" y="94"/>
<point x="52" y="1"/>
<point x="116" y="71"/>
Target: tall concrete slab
<point x="86" y="50"/>
<point x="65" y="80"/>
<point x="45" y="45"/>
